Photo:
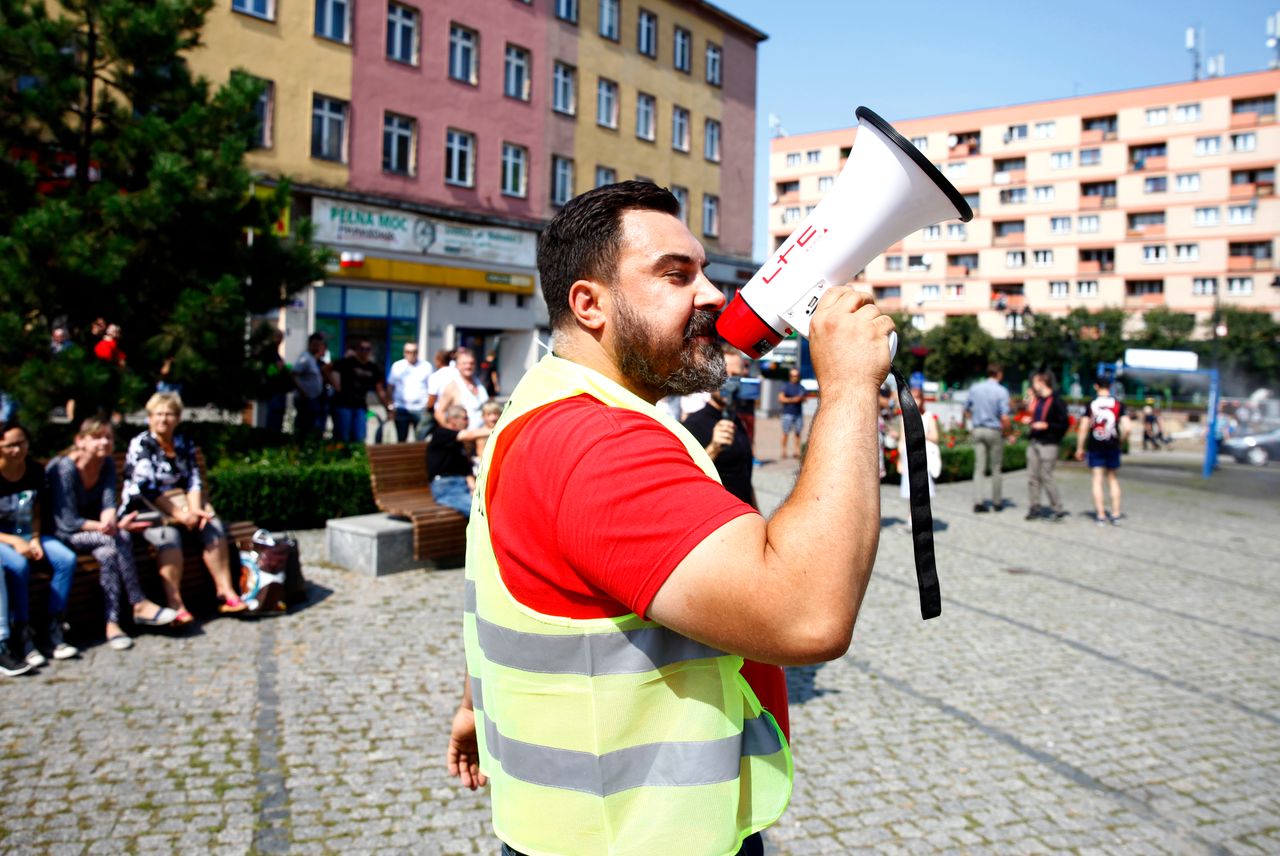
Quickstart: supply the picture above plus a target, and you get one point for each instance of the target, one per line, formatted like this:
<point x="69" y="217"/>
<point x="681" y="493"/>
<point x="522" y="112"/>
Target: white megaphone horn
<point x="886" y="191"/>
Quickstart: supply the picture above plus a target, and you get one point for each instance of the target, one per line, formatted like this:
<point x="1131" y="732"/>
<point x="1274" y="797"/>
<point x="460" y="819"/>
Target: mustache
<point x="702" y="323"/>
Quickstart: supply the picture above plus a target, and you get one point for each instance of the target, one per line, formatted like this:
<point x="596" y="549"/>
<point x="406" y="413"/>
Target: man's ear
<point x="588" y="301"/>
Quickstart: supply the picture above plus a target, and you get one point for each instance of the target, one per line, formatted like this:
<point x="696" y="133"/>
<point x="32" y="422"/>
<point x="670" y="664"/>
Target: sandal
<point x="163" y="616"/>
<point x="232" y="605"/>
<point x="120" y="643"/>
<point x="183" y="618"/>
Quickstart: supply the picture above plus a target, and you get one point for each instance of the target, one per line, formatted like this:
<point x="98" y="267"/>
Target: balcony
<point x="1008" y="301"/>
<point x="889" y="304"/>
<point x="959" y="270"/>
<point x="1154" y="230"/>
<point x="1150" y="164"/>
<point x="1094" y="266"/>
<point x="1009" y="176"/>
<point x="1244" y="120"/>
<point x="962" y="150"/>
<point x="1095" y="203"/>
<point x="1252" y="189"/>
<point x="1096" y="135"/>
<point x="1018" y="239"/>
<point x="1146" y="300"/>
<point x="1247" y="263"/>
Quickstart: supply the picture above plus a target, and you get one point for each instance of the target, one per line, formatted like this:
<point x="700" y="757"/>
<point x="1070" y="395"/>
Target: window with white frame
<point x="1155" y="184"/>
<point x="561" y="180"/>
<point x="1013" y="195"/>
<point x="1088" y="223"/>
<point x="1059" y="289"/>
<point x="333" y="20"/>
<point x="567" y="10"/>
<point x="1187" y="182"/>
<point x="1245" y="142"/>
<point x="917" y="263"/>
<point x="921" y="143"/>
<point x="646" y="106"/>
<point x="680" y="129"/>
<point x="1046" y="130"/>
<point x="1042" y="258"/>
<point x="402" y="33"/>
<point x="607" y="175"/>
<point x="682" y="50"/>
<point x="710" y="215"/>
<point x="1015" y="132"/>
<point x="1013" y="322"/>
<point x="463" y="54"/>
<point x="957" y="232"/>
<point x="398" y="133"/>
<point x="1240" y="215"/>
<point x="1060" y="160"/>
<point x="808" y="209"/>
<point x="930" y="292"/>
<point x="893" y="262"/>
<point x="515" y="73"/>
<point x="959" y="169"/>
<point x="1060" y="225"/>
<point x="328" y="128"/>
<point x="682" y="196"/>
<point x="515" y="170"/>
<point x="955" y="290"/>
<point x="714" y="70"/>
<point x="1207" y="216"/>
<point x="917" y="321"/>
<point x="793" y="159"/>
<point x="1090" y="157"/>
<point x="1239" y="285"/>
<point x="1186" y="252"/>
<point x="1157" y="115"/>
<point x="791" y="214"/>
<point x="563" y="89"/>
<point x="459" y="158"/>
<point x="1155" y="253"/>
<point x="1087" y="288"/>
<point x="711" y="141"/>
<point x="826" y="182"/>
<point x="1045" y="193"/>
<point x="1015" y="258"/>
<point x="607" y="103"/>
<point x="257" y="8"/>
<point x="1187" y="113"/>
<point x="610" y="19"/>
<point x="931" y="233"/>
<point x="264" y="109"/>
<point x="1208" y="145"/>
<point x="647" y="34"/>
<point x="1203" y="285"/>
<point x="813" y="156"/>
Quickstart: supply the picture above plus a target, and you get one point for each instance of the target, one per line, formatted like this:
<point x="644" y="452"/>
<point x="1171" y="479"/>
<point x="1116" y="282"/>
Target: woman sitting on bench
<point x="162" y="480"/>
<point x="82" y="505"/>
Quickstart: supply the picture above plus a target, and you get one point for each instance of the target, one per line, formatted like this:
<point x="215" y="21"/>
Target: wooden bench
<point x="402" y="487"/>
<point x="85" y="611"/>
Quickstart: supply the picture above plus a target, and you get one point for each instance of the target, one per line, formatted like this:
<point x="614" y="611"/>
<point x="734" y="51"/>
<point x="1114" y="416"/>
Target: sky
<point x="912" y="58"/>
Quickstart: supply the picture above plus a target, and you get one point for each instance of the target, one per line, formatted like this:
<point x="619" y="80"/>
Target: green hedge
<point x="957" y="462"/>
<point x="284" y="495"/>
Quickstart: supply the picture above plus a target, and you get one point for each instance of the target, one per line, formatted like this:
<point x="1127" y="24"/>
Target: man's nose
<point x="708" y="296"/>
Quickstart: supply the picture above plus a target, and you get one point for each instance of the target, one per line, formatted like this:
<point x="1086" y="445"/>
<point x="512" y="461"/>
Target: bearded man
<point x="625" y="615"/>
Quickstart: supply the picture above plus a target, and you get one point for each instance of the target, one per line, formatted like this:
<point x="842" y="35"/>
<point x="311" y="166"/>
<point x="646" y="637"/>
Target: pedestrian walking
<point x="987" y="411"/>
<point x="1104" y="424"/>
<point x="1048" y="425"/>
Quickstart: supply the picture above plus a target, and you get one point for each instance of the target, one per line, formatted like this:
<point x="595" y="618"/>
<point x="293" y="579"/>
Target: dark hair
<point x="15" y="425"/>
<point x="316" y="337"/>
<point x="583" y="240"/>
<point x="1045" y="377"/>
<point x="994" y="369"/>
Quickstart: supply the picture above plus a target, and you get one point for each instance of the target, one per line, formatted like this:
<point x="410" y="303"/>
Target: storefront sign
<point x="405" y="232"/>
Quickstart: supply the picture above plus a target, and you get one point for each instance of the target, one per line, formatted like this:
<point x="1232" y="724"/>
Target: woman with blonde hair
<point x="82" y="499"/>
<point x="161" y="476"/>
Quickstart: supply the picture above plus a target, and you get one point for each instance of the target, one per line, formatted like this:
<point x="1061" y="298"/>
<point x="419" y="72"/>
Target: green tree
<point x="1096" y="337"/>
<point x="124" y="196"/>
<point x="1166" y="330"/>
<point x="1249" y="354"/>
<point x="959" y="350"/>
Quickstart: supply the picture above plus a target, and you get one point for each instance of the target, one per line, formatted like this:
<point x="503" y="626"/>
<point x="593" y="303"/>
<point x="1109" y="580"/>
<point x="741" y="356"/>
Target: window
<point x="1203" y="285"/>
<point x="561" y="180"/>
<point x="711" y="143"/>
<point x="1186" y="252"/>
<point x="1045" y="193"/>
<point x="931" y="233"/>
<point x="893" y="262"/>
<point x="1090" y="157"/>
<point x="328" y="129"/>
<point x="682" y="50"/>
<point x="713" y="64"/>
<point x="463" y="62"/>
<point x="1155" y="184"/>
<point x="647" y="34"/>
<point x="793" y="159"/>
<point x="1046" y="130"/>
<point x="955" y="291"/>
<point x="332" y="20"/>
<point x="459" y="158"/>
<point x="1015" y="132"/>
<point x="1142" y="287"/>
<point x="1239" y="285"/>
<point x="1059" y="289"/>
<point x="402" y="34"/>
<point x="515" y="170"/>
<point x="610" y="19"/>
<point x="1246" y="142"/>
<point x="808" y="209"/>
<point x="682" y="196"/>
<point x="957" y="231"/>
<point x="1008" y="228"/>
<point x="515" y="73"/>
<point x="930" y="292"/>
<point x="464" y="296"/>
<point x="263" y="114"/>
<point x="606" y="175"/>
<point x="1060" y="225"/>
<point x="1263" y="105"/>
<point x="921" y="143"/>
<point x="785" y="187"/>
<point x="257" y="8"/>
<point x="1187" y="113"/>
<point x="1207" y="216"/>
<point x="1087" y="288"/>
<point x="1042" y="258"/>
<point x="1240" y="215"/>
<point x="645" y="108"/>
<point x="397" y="144"/>
<point x="1158" y="116"/>
<point x="959" y="169"/>
<point x="791" y="214"/>
<point x="1060" y="160"/>
<point x="1208" y="145"/>
<point x="567" y="10"/>
<point x="1088" y="223"/>
<point x="1015" y="259"/>
<point x="1013" y="195"/>
<point x="680" y="129"/>
<point x="1155" y="253"/>
<point x="710" y="215"/>
<point x="825" y="183"/>
<point x="917" y="263"/>
<point x="607" y="103"/>
<point x="813" y="156"/>
<point x="563" y="89"/>
<point x="1187" y="182"/>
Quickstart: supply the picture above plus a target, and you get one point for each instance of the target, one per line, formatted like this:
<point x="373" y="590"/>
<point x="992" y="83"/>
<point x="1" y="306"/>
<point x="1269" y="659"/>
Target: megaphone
<point x="886" y="191"/>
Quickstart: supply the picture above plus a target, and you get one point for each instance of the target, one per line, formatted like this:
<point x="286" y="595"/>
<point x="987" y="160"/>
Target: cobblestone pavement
<point x="1086" y="689"/>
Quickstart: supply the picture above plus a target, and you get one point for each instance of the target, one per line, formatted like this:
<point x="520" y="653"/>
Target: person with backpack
<point x="1104" y="424"/>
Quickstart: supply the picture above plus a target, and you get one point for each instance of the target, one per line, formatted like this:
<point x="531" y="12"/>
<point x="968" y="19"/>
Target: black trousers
<point x="752" y="846"/>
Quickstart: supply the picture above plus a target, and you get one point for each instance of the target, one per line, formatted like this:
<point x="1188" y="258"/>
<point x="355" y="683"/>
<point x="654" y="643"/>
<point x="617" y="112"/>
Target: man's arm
<point x="788" y="591"/>
<point x="443" y="403"/>
<point x="1082" y="432"/>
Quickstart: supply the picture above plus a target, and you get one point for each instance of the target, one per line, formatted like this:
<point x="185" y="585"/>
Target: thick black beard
<point x="663" y="371"/>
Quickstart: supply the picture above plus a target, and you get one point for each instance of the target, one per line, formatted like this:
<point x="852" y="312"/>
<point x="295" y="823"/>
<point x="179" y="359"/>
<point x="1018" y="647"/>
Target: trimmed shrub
<point x="957" y="462"/>
<point x="284" y="495"/>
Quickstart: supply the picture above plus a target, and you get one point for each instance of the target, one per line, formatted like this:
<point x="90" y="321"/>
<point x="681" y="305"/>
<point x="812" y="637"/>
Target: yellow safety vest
<point x="610" y="736"/>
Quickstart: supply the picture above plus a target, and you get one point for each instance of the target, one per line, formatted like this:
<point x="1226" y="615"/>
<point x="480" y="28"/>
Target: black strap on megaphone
<point x="921" y="512"/>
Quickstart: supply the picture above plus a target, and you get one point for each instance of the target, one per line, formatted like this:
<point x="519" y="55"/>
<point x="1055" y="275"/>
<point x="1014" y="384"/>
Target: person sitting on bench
<point x="449" y="464"/>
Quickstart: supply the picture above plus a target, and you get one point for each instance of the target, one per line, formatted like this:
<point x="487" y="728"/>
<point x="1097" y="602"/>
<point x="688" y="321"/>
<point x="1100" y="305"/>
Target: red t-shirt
<point x="595" y="507"/>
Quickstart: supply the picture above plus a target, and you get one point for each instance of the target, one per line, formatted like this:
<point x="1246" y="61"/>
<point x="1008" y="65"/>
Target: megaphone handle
<point x="893" y="346"/>
<point x="921" y="511"/>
